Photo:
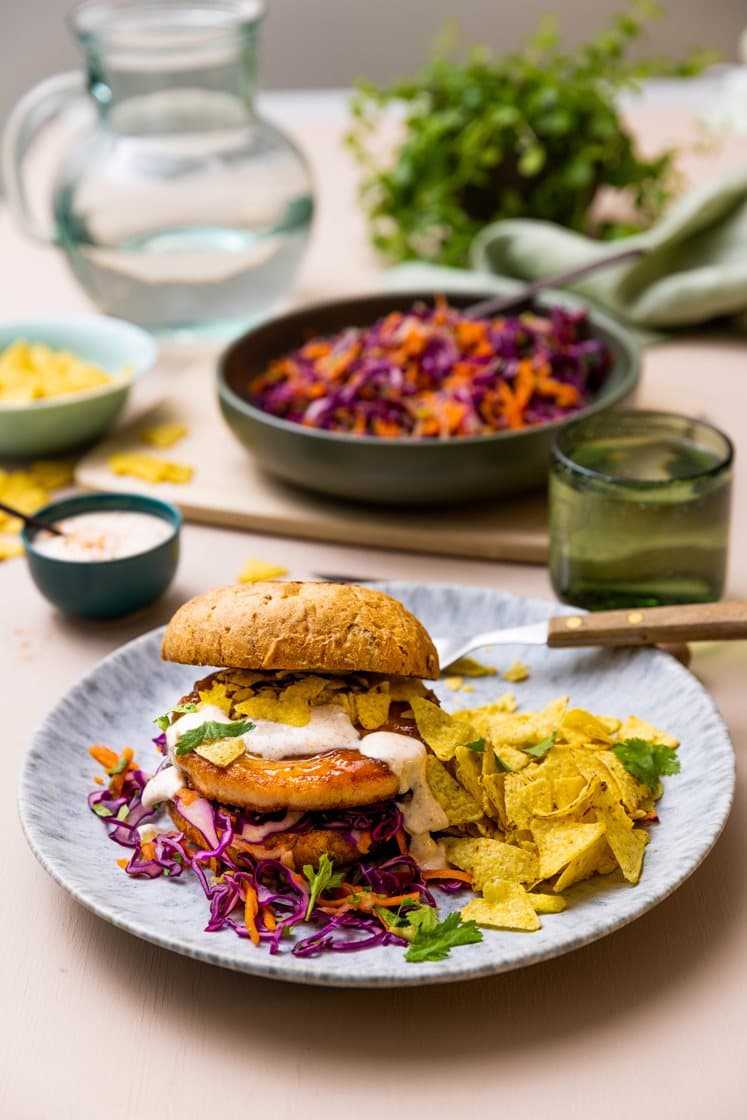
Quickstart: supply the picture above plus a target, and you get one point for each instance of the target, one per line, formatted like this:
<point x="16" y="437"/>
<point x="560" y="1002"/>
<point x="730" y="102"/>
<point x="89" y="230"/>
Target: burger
<point x="301" y="741"/>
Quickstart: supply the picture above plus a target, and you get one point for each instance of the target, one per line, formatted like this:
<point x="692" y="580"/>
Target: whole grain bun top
<point x="328" y="627"/>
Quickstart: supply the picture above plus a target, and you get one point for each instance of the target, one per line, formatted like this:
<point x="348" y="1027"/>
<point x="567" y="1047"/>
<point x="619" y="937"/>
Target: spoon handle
<point x="644" y="626"/>
<point x="523" y="295"/>
<point x="34" y="522"/>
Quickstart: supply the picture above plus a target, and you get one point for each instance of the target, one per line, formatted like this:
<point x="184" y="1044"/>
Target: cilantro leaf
<point x="434" y="939"/>
<point x="164" y="721"/>
<point x="209" y="731"/>
<point x="477" y="745"/>
<point x="539" y="750"/>
<point x="502" y="768"/>
<point x="320" y="880"/>
<point x="647" y="761"/>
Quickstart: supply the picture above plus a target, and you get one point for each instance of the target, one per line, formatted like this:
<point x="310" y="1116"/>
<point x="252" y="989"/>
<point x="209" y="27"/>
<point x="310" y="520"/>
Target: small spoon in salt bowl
<point x="32" y="522"/>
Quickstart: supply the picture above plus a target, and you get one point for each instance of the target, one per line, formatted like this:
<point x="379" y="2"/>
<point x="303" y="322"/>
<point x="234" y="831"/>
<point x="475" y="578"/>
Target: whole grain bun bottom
<point x="324" y="627"/>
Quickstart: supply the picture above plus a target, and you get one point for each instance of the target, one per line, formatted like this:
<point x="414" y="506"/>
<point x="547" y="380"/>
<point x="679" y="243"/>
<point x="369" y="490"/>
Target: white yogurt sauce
<point x="104" y="535"/>
<point x="329" y="728"/>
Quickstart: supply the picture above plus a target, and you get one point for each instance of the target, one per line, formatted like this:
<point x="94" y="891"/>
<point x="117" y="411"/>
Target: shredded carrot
<point x="434" y="373"/>
<point x="402" y="842"/>
<point x="450" y="873"/>
<point x="268" y="918"/>
<point x="103" y="755"/>
<point x="365" y="841"/>
<point x="98" y="779"/>
<point x="122" y="863"/>
<point x="148" y="850"/>
<point x="187" y="796"/>
<point x="251" y="909"/>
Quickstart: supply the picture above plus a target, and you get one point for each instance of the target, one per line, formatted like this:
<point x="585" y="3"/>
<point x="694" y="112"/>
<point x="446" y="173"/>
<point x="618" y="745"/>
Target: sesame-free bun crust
<point x="325" y="627"/>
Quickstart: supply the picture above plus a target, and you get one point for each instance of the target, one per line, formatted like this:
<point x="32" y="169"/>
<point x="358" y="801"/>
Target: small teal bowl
<point x="105" y="588"/>
<point x="54" y="425"/>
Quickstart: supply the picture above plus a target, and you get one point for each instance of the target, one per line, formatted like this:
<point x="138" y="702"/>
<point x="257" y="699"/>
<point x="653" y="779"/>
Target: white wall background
<point x="327" y="43"/>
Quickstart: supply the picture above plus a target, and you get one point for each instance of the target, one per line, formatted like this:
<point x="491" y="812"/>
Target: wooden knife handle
<point x="645" y="626"/>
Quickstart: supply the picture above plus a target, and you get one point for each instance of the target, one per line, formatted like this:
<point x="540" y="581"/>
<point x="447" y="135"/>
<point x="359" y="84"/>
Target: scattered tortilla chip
<point x="222" y="752"/>
<point x="635" y="728"/>
<point x="626" y="843"/>
<point x="148" y="468"/>
<point x="585" y="865"/>
<point x="560" y="842"/>
<point x="510" y="758"/>
<point x="470" y="667"/>
<point x="461" y="852"/>
<point x="163" y="435"/>
<point x="547" y="903"/>
<point x="525" y="796"/>
<point x="494" y="859"/>
<point x="291" y="705"/>
<point x="255" y="570"/>
<point x="372" y="707"/>
<point x="53" y="474"/>
<point x="217" y="695"/>
<point x="582" y="728"/>
<point x="10" y="547"/>
<point x="443" y="733"/>
<point x="516" y="673"/>
<point x="505" y="905"/>
<point x="459" y="806"/>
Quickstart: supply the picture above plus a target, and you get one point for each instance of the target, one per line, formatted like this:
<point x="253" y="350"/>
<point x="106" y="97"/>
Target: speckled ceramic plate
<point x="116" y="702"/>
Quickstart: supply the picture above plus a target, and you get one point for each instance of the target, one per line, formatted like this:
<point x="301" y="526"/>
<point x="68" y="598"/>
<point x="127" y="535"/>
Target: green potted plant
<point x="534" y="134"/>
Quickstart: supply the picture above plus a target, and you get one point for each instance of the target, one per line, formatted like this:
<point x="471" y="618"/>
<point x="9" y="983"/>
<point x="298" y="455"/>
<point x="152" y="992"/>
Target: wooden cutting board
<point x="228" y="489"/>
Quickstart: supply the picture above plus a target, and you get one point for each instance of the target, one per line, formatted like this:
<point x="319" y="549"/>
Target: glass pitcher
<point x="181" y="209"/>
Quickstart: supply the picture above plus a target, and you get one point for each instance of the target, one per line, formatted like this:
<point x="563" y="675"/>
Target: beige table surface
<point x="649" y="1021"/>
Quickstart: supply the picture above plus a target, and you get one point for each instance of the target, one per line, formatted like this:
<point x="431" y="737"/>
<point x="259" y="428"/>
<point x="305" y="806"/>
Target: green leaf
<point x="539" y="750"/>
<point x="164" y="721"/>
<point x="101" y="810"/>
<point x="434" y="940"/>
<point x="532" y="160"/>
<point x="647" y="761"/>
<point x="320" y="880"/>
<point x="477" y="745"/>
<point x="209" y="731"/>
<point x="124" y="812"/>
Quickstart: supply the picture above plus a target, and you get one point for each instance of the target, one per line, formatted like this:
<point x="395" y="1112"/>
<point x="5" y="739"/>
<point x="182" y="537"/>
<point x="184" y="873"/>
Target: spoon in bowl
<point x="498" y="305"/>
<point x="32" y="522"/>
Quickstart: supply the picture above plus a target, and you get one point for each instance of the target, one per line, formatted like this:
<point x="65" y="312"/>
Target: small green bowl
<point x="54" y="425"/>
<point x="399" y="471"/>
<point x="105" y="588"/>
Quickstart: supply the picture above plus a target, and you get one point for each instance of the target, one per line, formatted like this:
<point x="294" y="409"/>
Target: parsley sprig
<point x="164" y="721"/>
<point x="647" y="761"/>
<point x="320" y="880"/>
<point x="433" y="939"/>
<point x="209" y="732"/>
<point x="539" y="750"/>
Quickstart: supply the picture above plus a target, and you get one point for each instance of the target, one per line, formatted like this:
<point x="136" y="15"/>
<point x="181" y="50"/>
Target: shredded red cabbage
<point x="434" y="373"/>
<point x="282" y="894"/>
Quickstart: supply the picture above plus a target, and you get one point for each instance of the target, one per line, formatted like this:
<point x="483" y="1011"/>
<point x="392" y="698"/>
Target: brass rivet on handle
<point x="635" y="617"/>
<point x="573" y="623"/>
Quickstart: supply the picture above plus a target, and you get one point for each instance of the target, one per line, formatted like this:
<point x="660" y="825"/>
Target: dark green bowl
<point x="397" y="471"/>
<point x="105" y="588"/>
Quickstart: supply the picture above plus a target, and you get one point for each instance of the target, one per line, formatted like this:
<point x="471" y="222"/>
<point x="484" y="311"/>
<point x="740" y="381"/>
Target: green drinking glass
<point x="639" y="510"/>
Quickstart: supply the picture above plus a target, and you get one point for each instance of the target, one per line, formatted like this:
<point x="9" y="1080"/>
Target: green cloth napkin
<point x="695" y="269"/>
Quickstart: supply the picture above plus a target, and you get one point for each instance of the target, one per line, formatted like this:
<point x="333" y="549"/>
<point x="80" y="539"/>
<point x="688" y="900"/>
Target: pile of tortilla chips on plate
<point x="536" y="801"/>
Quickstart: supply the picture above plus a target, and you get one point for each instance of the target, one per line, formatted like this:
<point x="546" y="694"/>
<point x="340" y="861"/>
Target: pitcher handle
<point x="34" y="109"/>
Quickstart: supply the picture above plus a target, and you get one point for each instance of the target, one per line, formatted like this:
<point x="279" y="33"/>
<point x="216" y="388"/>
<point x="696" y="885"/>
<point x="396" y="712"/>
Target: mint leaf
<point x="647" y="761"/>
<point x="539" y="750"/>
<point x="209" y="731"/>
<point x="433" y="942"/>
<point x="320" y="880"/>
<point x="477" y="745"/>
<point x="164" y="721"/>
